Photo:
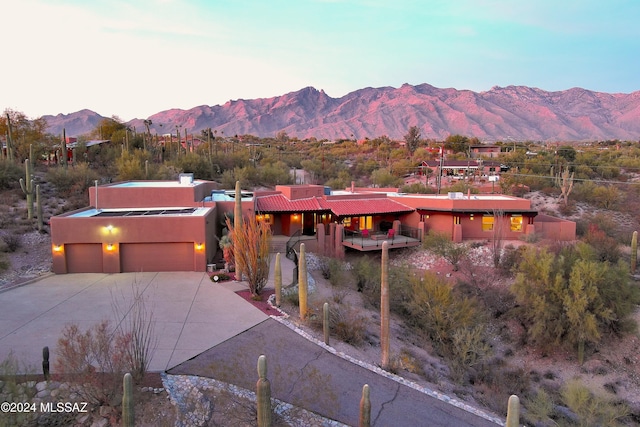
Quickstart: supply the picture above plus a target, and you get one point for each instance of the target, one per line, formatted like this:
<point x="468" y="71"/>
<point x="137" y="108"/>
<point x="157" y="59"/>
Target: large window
<point x="487" y="222"/>
<point x="366" y="223"/>
<point x="516" y="222"/>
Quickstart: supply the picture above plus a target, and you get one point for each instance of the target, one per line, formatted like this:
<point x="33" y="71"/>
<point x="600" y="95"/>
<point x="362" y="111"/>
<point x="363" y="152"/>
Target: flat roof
<point x="172" y="211"/>
<point x="154" y="184"/>
<point x="446" y="196"/>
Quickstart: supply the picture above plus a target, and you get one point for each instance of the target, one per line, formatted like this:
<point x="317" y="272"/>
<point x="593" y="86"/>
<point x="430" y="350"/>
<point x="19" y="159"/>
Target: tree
<point x="440" y="244"/>
<point x="457" y="143"/>
<point x="26" y="135"/>
<point x="382" y="178"/>
<point x="572" y="297"/>
<point x="412" y="139"/>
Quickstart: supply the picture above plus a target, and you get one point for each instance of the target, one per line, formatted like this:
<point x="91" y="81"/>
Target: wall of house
<point x="555" y="228"/>
<point x="300" y="191"/>
<point x="117" y="196"/>
<point x="80" y="244"/>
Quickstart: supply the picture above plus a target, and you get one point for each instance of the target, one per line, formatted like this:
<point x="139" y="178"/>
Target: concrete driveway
<point x="191" y="313"/>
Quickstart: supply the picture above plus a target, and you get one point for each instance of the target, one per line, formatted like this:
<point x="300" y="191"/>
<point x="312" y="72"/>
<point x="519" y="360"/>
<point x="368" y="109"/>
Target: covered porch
<point x="401" y="236"/>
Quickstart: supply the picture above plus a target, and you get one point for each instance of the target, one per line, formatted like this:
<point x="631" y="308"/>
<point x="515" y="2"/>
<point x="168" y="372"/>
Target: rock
<point x="101" y="422"/>
<point x="42" y="385"/>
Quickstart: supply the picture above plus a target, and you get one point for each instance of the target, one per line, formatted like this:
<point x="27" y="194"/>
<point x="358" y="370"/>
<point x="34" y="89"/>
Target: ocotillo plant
<point x="263" y="393"/>
<point x="384" y="306"/>
<point x="278" y="280"/>
<point x="128" y="417"/>
<point x="325" y="322"/>
<point x="634" y="252"/>
<point x="45" y="363"/>
<point x="27" y="187"/>
<point x="513" y="411"/>
<point x="302" y="282"/>
<point x="39" y="209"/>
<point x="365" y="408"/>
<point x="237" y="224"/>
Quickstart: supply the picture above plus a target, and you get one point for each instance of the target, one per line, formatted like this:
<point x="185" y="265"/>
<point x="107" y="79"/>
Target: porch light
<point x="109" y="228"/>
<point x="57" y="248"/>
<point x="471" y="217"/>
<point x="199" y="246"/>
<point x="109" y="247"/>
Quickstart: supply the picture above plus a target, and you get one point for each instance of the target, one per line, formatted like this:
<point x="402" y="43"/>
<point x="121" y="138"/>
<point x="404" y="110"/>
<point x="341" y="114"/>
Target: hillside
<point x="502" y="113"/>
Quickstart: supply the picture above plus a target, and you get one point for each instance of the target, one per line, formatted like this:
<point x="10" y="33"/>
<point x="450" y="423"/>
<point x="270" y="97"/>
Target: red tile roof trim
<point x="279" y="203"/>
<point x="340" y="207"/>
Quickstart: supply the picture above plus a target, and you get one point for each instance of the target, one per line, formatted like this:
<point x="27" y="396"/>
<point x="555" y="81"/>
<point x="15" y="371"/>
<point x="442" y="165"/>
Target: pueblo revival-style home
<point x="176" y="225"/>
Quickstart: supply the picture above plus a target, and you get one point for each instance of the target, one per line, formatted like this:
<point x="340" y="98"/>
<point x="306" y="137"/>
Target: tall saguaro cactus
<point x="27" y="187"/>
<point x="325" y="322"/>
<point x="278" y="280"/>
<point x="302" y="282"/>
<point x="39" y="209"/>
<point x="384" y="306"/>
<point x="263" y="393"/>
<point x="365" y="407"/>
<point x="634" y="252"/>
<point x="45" y="363"/>
<point x="128" y="416"/>
<point x="513" y="411"/>
<point x="63" y="148"/>
<point x="237" y="224"/>
<point x="9" y="139"/>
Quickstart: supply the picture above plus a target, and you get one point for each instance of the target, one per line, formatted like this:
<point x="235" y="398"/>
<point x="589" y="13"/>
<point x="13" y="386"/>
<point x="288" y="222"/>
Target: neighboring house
<point x="459" y="169"/>
<point x="484" y="150"/>
<point x="175" y="225"/>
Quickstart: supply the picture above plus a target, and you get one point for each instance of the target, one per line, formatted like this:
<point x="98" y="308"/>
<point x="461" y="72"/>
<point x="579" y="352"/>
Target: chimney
<point x="353" y="186"/>
<point x="469" y="193"/>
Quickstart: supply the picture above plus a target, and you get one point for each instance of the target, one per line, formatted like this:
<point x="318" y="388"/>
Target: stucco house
<point x="175" y="225"/>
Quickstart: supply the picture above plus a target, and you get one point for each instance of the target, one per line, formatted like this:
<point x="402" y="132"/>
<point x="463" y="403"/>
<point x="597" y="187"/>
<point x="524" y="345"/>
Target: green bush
<point x="72" y="181"/>
<point x="10" y="174"/>
<point x="592" y="409"/>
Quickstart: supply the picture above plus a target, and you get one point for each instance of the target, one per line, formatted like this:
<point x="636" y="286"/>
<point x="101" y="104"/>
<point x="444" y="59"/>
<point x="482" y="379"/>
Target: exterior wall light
<point x="57" y="248"/>
<point x="109" y="247"/>
<point x="199" y="246"/>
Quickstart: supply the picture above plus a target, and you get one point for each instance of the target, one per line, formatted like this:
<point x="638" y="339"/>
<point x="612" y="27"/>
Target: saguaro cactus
<point x="365" y="408"/>
<point x="302" y="282"/>
<point x="513" y="411"/>
<point x="237" y="224"/>
<point x="278" y="280"/>
<point x="384" y="306"/>
<point x="325" y="322"/>
<point x="9" y="139"/>
<point x="45" y="363"/>
<point x="128" y="417"/>
<point x="263" y="393"/>
<point x="634" y="252"/>
<point x="27" y="187"/>
<point x="39" y="209"/>
<point x="64" y="148"/>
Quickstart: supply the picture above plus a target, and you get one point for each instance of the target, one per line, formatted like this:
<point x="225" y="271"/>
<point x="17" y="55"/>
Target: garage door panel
<point x="84" y="257"/>
<point x="172" y="256"/>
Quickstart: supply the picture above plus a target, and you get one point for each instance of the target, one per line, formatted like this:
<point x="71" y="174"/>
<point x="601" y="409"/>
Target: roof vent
<point x="185" y="178"/>
<point x="456" y="195"/>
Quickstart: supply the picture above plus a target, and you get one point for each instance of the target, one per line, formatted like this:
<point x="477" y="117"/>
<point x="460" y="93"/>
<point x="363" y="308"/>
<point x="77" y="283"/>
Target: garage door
<point x="156" y="257"/>
<point x="84" y="257"/>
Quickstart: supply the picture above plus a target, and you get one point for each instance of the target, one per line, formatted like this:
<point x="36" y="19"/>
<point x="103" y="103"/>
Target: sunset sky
<point x="138" y="57"/>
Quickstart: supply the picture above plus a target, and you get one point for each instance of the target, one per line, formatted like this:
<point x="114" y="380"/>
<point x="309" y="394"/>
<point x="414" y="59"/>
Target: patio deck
<point x="374" y="243"/>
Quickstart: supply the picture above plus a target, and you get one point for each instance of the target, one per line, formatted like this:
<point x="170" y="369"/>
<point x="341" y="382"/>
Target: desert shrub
<point x="400" y="279"/>
<point x="347" y="324"/>
<point x="93" y="361"/>
<point x="73" y="180"/>
<point x="441" y="245"/>
<point x="606" y="247"/>
<point x="336" y="271"/>
<point x="454" y="323"/>
<point x="540" y="407"/>
<point x="590" y="408"/>
<point x="10" y="174"/>
<point x="511" y="257"/>
<point x="251" y="250"/>
<point x="366" y="273"/>
<point x="14" y="391"/>
<point x="12" y="242"/>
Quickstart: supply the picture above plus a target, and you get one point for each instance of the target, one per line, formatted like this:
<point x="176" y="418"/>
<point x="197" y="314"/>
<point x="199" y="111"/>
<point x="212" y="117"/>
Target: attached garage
<point x="84" y="257"/>
<point x="172" y="256"/>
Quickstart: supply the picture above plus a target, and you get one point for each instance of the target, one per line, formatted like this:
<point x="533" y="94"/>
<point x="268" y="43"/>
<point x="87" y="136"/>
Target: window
<point x="366" y="222"/>
<point x="516" y="222"/>
<point x="487" y="222"/>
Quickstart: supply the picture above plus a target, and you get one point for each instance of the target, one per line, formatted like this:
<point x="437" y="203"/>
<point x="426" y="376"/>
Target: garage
<point x="171" y="256"/>
<point x="84" y="257"/>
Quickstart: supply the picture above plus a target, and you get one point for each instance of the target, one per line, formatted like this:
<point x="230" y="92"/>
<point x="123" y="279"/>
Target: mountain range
<point x="499" y="114"/>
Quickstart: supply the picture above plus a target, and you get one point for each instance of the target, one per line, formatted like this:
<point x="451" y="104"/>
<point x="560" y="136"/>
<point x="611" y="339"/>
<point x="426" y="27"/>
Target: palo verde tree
<point x="572" y="297"/>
